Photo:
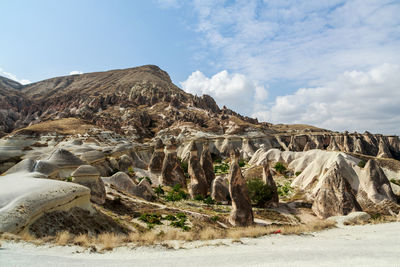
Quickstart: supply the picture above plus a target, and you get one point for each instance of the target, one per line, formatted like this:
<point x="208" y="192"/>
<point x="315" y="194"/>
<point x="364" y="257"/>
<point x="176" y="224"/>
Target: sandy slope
<point x="371" y="245"/>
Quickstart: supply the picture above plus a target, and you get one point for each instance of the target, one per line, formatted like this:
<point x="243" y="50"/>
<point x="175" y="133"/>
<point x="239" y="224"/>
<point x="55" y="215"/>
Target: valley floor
<point x="367" y="245"/>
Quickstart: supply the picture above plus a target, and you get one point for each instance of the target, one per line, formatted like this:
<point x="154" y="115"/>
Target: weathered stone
<point x="269" y="181"/>
<point x="171" y="172"/>
<point x="125" y="162"/>
<point x="383" y="150"/>
<point x="207" y="164"/>
<point x="242" y="213"/>
<point x="89" y="176"/>
<point x="198" y="183"/>
<point x="156" y="161"/>
<point x="220" y="189"/>
<point x="335" y="197"/>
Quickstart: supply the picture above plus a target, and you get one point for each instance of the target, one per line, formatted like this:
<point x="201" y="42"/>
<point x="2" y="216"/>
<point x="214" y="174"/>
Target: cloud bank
<point x="233" y="90"/>
<point x="356" y="100"/>
<point x="75" y="72"/>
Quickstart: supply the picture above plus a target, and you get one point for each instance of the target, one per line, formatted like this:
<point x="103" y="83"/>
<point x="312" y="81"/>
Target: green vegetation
<point x="147" y="178"/>
<point x="170" y="217"/>
<point x="209" y="201"/>
<point x="221" y="168"/>
<point x="68" y="179"/>
<point x="297" y="173"/>
<point x="159" y="191"/>
<point x="176" y="194"/>
<point x="280" y="168"/>
<point x="150" y="219"/>
<point x="198" y="197"/>
<point x="181" y="222"/>
<point x="215" y="218"/>
<point x="397" y="182"/>
<point x="131" y="172"/>
<point x="259" y="192"/>
<point x="242" y="163"/>
<point x="184" y="166"/>
<point x="285" y="189"/>
<point x="361" y="164"/>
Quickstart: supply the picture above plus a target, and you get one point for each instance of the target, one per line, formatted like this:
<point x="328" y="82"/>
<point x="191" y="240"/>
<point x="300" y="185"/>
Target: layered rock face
<point x="157" y="158"/>
<point x="198" y="182"/>
<point x="89" y="176"/>
<point x="242" y="213"/>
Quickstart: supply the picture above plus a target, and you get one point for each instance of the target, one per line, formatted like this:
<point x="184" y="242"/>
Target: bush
<point x="198" y="197"/>
<point x="69" y="179"/>
<point x="297" y="173"/>
<point x="147" y="178"/>
<point x="242" y="163"/>
<point x="176" y="194"/>
<point x="150" y="219"/>
<point x="159" y="190"/>
<point x="221" y="168"/>
<point x="284" y="190"/>
<point x="209" y="201"/>
<point x="214" y="218"/>
<point x="361" y="164"/>
<point x="279" y="167"/>
<point x="184" y="166"/>
<point x="397" y="182"/>
<point x="259" y="192"/>
<point x="181" y="222"/>
<point x="170" y="217"/>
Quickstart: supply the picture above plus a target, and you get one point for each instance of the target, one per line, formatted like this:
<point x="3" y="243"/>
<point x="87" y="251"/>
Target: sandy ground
<point x="368" y="245"/>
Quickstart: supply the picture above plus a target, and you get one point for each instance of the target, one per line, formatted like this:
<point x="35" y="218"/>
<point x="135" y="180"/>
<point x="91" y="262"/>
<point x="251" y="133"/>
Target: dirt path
<point x="369" y="245"/>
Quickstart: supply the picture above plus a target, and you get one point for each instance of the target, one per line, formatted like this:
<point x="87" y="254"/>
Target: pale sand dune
<point x="368" y="245"/>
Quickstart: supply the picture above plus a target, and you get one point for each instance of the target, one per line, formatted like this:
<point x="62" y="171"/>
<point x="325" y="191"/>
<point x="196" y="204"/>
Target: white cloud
<point x="303" y="41"/>
<point x="13" y="77"/>
<point x="356" y="100"/>
<point x="74" y="72"/>
<point x="233" y="90"/>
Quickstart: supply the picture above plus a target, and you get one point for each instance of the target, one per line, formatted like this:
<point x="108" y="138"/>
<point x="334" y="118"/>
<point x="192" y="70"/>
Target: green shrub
<point x="69" y="179"/>
<point x="184" y="166"/>
<point x="209" y="201"/>
<point x="214" y="218"/>
<point x="259" y="192"/>
<point x="181" y="222"/>
<point x="150" y="219"/>
<point x="170" y="217"/>
<point x="221" y="168"/>
<point x="131" y="171"/>
<point x="198" y="197"/>
<point x="176" y="194"/>
<point x="297" y="173"/>
<point x="285" y="189"/>
<point x="361" y="164"/>
<point x="279" y="167"/>
<point x="159" y="190"/>
<point x="147" y="178"/>
<point x="181" y="215"/>
<point x="242" y="163"/>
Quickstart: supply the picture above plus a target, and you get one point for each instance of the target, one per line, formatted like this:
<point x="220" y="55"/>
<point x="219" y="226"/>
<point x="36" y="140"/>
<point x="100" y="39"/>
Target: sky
<point x="332" y="64"/>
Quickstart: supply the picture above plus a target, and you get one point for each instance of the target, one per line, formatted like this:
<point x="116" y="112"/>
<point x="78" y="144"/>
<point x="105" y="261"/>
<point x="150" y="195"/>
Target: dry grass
<point x="63" y="238"/>
<point x="82" y="240"/>
<point x="109" y="241"/>
<point x="62" y="126"/>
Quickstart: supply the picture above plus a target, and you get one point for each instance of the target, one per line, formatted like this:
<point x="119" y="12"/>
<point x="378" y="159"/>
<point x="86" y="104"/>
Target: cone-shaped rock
<point x="333" y="145"/>
<point x="156" y="160"/>
<point x="242" y="213"/>
<point x="171" y="172"/>
<point x="207" y="165"/>
<point x="335" y="197"/>
<point x="269" y="181"/>
<point x="198" y="183"/>
<point x="220" y="189"/>
<point x="383" y="150"/>
<point x="358" y="146"/>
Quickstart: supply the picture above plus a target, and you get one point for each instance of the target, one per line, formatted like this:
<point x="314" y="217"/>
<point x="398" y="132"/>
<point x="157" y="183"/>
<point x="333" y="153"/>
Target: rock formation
<point x="207" y="164"/>
<point x="198" y="182"/>
<point x="171" y="172"/>
<point x="269" y="181"/>
<point x="220" y="189"/>
<point x="383" y="151"/>
<point x="156" y="161"/>
<point x="242" y="213"/>
<point x="88" y="176"/>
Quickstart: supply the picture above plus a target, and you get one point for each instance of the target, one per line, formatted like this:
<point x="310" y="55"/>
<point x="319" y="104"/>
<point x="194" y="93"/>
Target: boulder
<point x="207" y="165"/>
<point x="93" y="156"/>
<point x="220" y="189"/>
<point x="125" y="162"/>
<point x="198" y="183"/>
<point x="241" y="213"/>
<point x="335" y="196"/>
<point x="123" y="182"/>
<point x="156" y="160"/>
<point x="269" y="181"/>
<point x="89" y="176"/>
<point x="171" y="172"/>
<point x="354" y="217"/>
<point x="65" y="161"/>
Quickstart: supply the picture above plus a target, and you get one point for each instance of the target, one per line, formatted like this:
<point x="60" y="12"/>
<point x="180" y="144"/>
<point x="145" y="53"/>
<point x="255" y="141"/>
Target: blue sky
<point x="333" y="64"/>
